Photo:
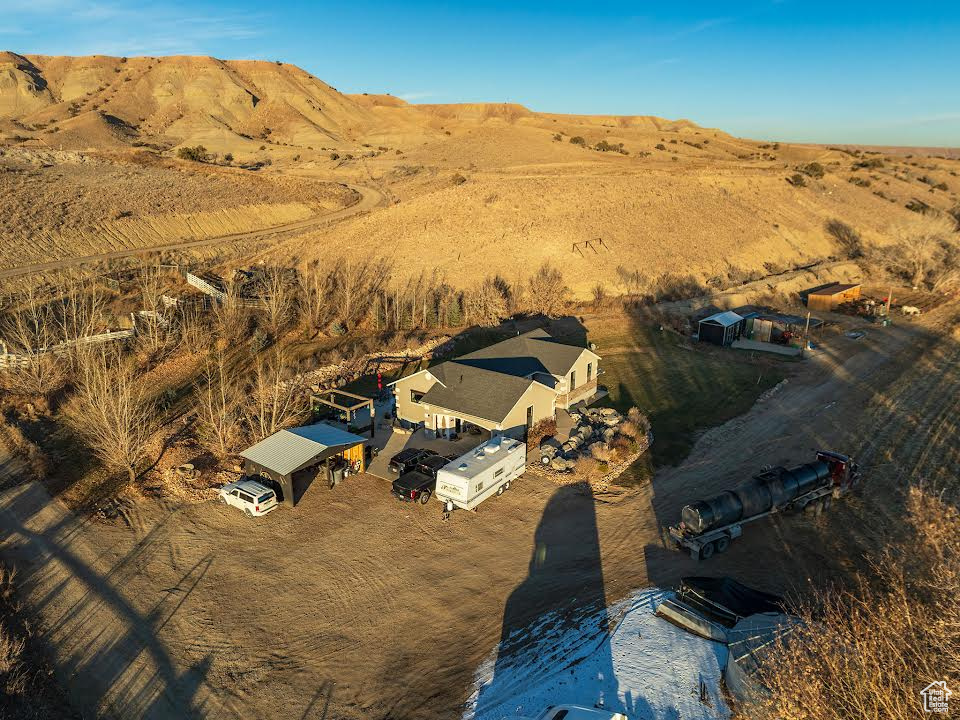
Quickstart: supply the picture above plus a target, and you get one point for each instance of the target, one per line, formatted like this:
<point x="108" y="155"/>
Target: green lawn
<point x="683" y="387"/>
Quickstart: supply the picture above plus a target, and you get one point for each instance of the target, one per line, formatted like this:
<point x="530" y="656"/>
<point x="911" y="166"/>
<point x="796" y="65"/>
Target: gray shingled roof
<point x="534" y="351"/>
<point x="475" y="391"/>
<point x="289" y="450"/>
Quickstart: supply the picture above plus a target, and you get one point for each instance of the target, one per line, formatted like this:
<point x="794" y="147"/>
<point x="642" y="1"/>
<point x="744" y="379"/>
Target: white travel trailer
<point x="486" y="470"/>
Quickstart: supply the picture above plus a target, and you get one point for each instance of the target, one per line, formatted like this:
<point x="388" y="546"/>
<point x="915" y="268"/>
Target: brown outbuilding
<point x="829" y="297"/>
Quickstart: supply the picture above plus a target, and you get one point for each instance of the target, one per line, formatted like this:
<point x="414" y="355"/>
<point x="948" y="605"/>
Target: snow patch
<point x="623" y="658"/>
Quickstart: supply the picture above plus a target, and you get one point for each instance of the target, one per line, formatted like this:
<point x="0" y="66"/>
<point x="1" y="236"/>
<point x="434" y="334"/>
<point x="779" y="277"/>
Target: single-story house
<point x="827" y="298"/>
<point x="504" y="389"/>
<point x="290" y="460"/>
<point x="720" y="328"/>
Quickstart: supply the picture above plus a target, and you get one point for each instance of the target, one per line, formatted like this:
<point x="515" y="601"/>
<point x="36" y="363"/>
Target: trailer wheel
<point x="506" y="485"/>
<point x="706" y="552"/>
<point x="721" y="544"/>
<point x="500" y="490"/>
<point x="424" y="497"/>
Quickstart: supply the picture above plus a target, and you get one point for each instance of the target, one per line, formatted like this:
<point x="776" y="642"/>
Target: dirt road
<point x="355" y="606"/>
<point x="370" y="198"/>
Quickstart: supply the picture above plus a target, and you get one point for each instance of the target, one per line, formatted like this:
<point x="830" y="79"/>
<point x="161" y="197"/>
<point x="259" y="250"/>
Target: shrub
<point x="228" y="158"/>
<point x="918" y="206"/>
<point x="814" y="170"/>
<point x="195" y="154"/>
<point x="847" y="238"/>
<point x="557" y="137"/>
<point x="458" y="179"/>
<point x="866" y="650"/>
<point x="577" y="140"/>
<point x="548" y="292"/>
<point x="858" y="181"/>
<point x="797" y="180"/>
<point x="642" y="422"/>
<point x="660" y="146"/>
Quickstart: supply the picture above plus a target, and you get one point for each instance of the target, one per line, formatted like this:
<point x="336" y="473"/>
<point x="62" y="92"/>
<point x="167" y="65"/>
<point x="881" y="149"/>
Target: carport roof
<point x="287" y="451"/>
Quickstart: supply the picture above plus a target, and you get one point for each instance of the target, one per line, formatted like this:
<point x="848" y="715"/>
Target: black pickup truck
<point x="418" y="485"/>
<point x="407" y="460"/>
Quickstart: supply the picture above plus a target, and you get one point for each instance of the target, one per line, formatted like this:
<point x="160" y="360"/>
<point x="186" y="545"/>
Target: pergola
<point x="329" y="398"/>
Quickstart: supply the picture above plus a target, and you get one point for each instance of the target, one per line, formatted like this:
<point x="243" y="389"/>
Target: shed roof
<point x="724" y="319"/>
<point x="287" y="451"/>
<point x="834" y="289"/>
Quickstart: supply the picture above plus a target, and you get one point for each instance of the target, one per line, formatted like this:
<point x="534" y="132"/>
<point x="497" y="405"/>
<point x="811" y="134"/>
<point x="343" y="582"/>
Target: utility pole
<point x="806" y="334"/>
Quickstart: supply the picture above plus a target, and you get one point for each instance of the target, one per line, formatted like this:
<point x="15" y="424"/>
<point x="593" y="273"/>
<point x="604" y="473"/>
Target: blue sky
<point x="800" y="70"/>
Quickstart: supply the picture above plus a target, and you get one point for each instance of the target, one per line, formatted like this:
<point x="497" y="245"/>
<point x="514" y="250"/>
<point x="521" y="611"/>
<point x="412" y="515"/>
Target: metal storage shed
<point x="721" y="329"/>
<point x="291" y="457"/>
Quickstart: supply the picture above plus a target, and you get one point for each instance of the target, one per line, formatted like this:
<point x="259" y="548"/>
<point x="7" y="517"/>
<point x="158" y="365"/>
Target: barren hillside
<point x="475" y="189"/>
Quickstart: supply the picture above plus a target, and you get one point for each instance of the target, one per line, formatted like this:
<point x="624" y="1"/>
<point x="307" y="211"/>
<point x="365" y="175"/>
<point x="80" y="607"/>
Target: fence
<point x="15" y="361"/>
<point x="205" y="287"/>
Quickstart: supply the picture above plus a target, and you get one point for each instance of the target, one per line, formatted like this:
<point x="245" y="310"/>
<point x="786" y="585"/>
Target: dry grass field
<point x="475" y="189"/>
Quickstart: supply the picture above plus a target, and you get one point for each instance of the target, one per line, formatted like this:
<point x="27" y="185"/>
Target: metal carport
<point x="286" y="455"/>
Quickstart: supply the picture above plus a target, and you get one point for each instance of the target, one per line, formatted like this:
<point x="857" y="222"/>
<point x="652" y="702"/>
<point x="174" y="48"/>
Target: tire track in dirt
<point x="370" y="198"/>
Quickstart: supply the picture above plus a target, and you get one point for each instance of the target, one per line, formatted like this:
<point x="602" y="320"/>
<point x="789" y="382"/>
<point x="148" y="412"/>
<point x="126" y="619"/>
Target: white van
<point x="250" y="496"/>
<point x="476" y="475"/>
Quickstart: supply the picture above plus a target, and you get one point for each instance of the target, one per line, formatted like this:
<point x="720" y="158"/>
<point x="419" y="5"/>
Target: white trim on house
<point x="413" y="375"/>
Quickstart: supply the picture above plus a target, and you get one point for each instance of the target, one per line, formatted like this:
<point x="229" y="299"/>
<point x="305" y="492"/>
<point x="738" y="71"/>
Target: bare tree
<point x="219" y="406"/>
<point x="111" y="409"/>
<point x="926" y="253"/>
<point x="82" y="308"/>
<point x="279" y="301"/>
<point x="485" y="304"/>
<point x="153" y="322"/>
<point x="231" y="318"/>
<point x="316" y="290"/>
<point x="357" y="285"/>
<point x="277" y="396"/>
<point x="548" y="292"/>
<point x="31" y="329"/>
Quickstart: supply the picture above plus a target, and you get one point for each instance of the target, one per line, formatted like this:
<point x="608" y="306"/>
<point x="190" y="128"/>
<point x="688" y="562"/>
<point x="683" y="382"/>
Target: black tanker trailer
<point x="708" y="526"/>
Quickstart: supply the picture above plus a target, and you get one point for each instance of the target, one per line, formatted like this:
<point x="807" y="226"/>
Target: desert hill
<point x="474" y="189"/>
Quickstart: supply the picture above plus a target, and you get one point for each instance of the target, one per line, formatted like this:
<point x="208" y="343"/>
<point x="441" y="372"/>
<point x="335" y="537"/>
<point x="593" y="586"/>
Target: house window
<point x="589" y="371"/>
<point x="573" y="380"/>
<point x="416" y="396"/>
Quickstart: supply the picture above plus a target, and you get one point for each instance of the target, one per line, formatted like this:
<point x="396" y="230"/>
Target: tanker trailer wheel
<point x="721" y="544"/>
<point x="818" y="506"/>
<point x="706" y="552"/>
<point x="827" y="502"/>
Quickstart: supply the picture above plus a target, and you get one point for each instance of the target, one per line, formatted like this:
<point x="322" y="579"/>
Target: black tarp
<point x="726" y="600"/>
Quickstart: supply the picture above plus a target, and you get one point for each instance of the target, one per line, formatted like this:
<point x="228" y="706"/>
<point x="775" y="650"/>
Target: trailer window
<point x="479" y="487"/>
<point x="498" y="473"/>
